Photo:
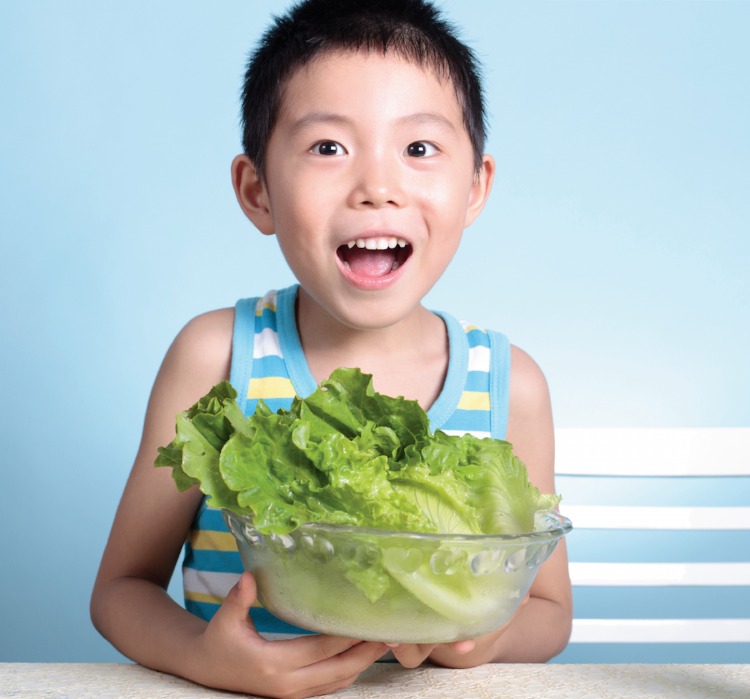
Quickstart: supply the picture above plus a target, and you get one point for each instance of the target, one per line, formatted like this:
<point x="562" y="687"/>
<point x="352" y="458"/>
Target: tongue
<point x="370" y="263"/>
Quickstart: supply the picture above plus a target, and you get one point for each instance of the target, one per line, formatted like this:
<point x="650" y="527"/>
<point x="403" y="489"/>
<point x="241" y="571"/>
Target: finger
<point x="464" y="646"/>
<point x="412" y="655"/>
<point x="341" y="670"/>
<point x="315" y="648"/>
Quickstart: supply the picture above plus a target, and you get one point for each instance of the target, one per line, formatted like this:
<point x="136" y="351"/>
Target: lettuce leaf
<point x="202" y="432"/>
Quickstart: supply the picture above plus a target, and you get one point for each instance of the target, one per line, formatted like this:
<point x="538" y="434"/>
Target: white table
<point x="121" y="680"/>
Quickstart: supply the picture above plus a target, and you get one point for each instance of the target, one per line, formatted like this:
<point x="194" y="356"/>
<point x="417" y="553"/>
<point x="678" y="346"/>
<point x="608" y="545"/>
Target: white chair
<point x="660" y="549"/>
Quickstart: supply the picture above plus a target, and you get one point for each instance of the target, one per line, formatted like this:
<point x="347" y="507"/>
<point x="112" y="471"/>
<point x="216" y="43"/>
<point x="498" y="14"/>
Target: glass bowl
<point x="398" y="587"/>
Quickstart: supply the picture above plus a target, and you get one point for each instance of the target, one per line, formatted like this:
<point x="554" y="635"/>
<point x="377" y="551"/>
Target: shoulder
<point x="208" y="331"/>
<point x="530" y="428"/>
<point x="528" y="384"/>
<point x="198" y="359"/>
<point x="200" y="355"/>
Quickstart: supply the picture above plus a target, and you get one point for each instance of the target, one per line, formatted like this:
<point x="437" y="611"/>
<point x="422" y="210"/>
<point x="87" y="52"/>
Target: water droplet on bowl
<point x="486" y="562"/>
<point x="282" y="543"/>
<point x="515" y="560"/>
<point x="317" y="547"/>
<point x="362" y="554"/>
<point x="446" y="561"/>
<point x="251" y="535"/>
<point x="537" y="555"/>
<point x="405" y="560"/>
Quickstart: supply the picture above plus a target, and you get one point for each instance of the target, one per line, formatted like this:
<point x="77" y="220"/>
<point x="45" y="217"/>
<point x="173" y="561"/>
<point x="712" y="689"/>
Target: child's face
<point x="369" y="149"/>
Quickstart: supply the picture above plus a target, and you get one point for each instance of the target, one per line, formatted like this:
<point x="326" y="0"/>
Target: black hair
<point x="413" y="29"/>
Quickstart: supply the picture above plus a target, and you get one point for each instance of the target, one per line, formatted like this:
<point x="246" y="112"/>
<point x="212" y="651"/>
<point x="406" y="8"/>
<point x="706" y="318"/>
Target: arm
<point x="130" y="606"/>
<point x="541" y="627"/>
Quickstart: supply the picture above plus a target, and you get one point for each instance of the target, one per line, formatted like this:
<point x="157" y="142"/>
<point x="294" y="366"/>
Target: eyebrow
<point x="418" y="119"/>
<point x="433" y="118"/>
<point x="316" y="118"/>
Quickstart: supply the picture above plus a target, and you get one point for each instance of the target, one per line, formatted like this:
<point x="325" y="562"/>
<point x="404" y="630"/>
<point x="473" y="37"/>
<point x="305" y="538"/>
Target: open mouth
<point x="374" y="257"/>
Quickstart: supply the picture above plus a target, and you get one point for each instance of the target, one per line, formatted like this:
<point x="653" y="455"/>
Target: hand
<point x="231" y="654"/>
<point x="414" y="654"/>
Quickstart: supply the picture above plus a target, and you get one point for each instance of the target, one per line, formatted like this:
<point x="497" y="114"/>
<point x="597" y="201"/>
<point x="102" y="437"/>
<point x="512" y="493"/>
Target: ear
<point x="252" y="194"/>
<point x="480" y="189"/>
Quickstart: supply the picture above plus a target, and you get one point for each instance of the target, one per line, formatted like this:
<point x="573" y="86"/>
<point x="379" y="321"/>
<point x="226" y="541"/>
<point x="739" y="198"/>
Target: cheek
<point x="303" y="193"/>
<point x="448" y="203"/>
<point x="291" y="205"/>
<point x="448" y="187"/>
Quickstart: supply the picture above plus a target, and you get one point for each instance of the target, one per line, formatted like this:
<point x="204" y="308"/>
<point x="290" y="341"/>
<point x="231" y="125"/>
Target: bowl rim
<point x="559" y="526"/>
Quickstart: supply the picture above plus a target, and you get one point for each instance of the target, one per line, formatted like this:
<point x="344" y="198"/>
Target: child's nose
<point x="378" y="182"/>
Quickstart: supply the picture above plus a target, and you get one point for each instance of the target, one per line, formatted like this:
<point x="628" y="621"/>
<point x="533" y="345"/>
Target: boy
<point x="363" y="140"/>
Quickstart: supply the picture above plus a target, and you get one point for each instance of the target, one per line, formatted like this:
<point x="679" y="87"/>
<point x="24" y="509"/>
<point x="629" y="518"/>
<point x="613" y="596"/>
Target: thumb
<point x="240" y="598"/>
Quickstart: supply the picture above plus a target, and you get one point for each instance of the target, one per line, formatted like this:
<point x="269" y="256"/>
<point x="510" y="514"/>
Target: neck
<point x="408" y="358"/>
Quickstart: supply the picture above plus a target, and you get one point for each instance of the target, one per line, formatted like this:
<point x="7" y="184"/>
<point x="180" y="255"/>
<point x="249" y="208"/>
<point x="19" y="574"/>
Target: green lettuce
<point x="349" y="455"/>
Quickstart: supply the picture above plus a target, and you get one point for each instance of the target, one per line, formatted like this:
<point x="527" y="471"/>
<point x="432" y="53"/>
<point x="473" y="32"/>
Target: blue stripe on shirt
<point x="478" y="337"/>
<point x="266" y="622"/>
<point x="468" y="421"/>
<point x="266" y="320"/>
<point x="210" y="518"/>
<point x="477" y="381"/>
<point x="270" y="365"/>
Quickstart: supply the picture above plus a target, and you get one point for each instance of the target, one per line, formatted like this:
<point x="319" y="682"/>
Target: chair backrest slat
<point x="718" y="451"/>
<point x="660" y="550"/>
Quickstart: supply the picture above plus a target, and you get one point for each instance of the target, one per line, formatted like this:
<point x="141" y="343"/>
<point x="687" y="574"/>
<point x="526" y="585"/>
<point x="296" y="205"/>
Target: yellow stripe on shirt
<point x="203" y="597"/>
<point x="474" y="400"/>
<point x="265" y="305"/>
<point x="271" y="386"/>
<point x="209" y="540"/>
<point x="211" y="599"/>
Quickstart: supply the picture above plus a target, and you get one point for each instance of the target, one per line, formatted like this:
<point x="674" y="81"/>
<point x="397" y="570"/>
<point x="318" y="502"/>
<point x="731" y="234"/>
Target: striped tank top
<point x="268" y="363"/>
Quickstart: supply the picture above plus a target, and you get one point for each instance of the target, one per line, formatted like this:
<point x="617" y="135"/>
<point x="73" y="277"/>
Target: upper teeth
<point x="377" y="243"/>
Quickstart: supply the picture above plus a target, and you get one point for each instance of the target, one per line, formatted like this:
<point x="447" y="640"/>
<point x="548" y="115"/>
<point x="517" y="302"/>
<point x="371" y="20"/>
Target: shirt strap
<point x="499" y="383"/>
<point x="243" y="338"/>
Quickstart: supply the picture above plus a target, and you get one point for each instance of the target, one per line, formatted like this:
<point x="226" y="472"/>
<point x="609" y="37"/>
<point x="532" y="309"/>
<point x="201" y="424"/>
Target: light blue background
<point x="615" y="247"/>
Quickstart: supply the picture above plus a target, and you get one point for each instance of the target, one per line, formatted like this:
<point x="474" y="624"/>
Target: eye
<point x="421" y="149"/>
<point x="328" y="148"/>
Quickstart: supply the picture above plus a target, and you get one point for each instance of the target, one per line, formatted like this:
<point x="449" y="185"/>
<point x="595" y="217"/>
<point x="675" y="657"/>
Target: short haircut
<point x="412" y="29"/>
